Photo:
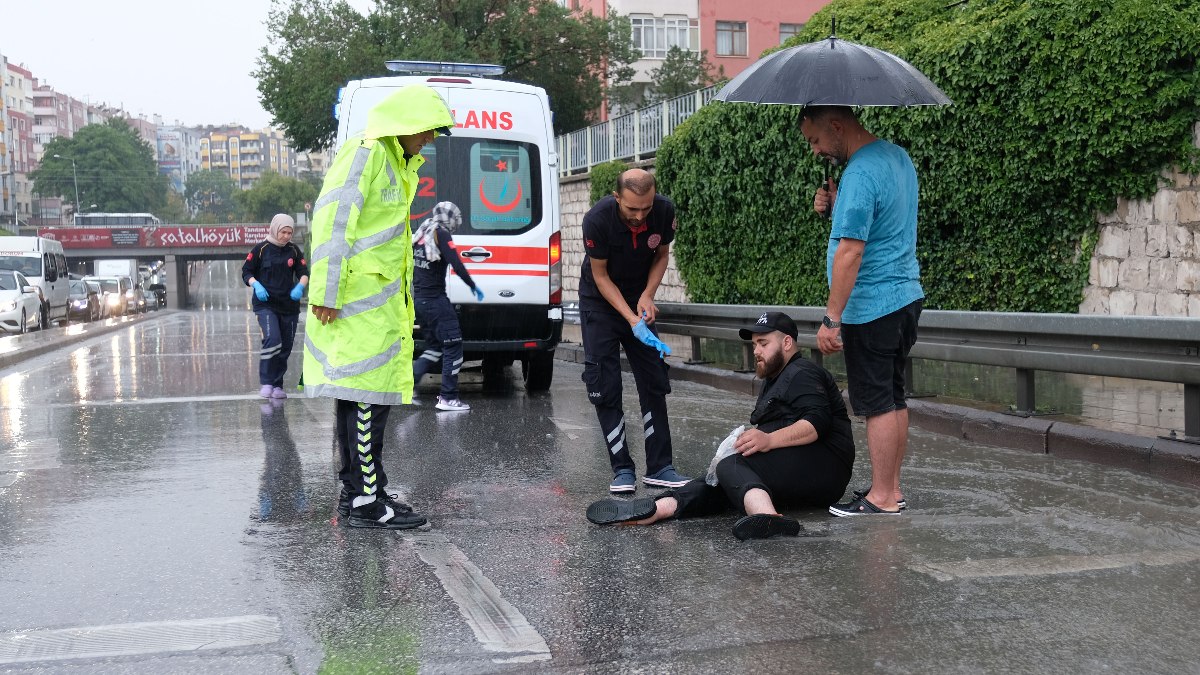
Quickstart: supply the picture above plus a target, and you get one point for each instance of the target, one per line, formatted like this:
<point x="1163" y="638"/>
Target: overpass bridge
<point x="178" y="246"/>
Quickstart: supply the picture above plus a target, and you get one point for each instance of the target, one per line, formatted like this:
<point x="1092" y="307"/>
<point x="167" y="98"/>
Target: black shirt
<point x="629" y="254"/>
<point x="811" y="394"/>
<point x="277" y="268"/>
<point x="429" y="276"/>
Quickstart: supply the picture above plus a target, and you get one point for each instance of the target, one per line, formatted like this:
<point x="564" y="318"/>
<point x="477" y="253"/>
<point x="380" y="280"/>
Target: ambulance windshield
<point x="496" y="183"/>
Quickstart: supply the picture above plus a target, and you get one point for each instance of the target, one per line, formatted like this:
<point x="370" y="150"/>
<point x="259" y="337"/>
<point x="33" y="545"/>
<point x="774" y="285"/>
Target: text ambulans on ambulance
<point x="499" y="167"/>
<point x="44" y="264"/>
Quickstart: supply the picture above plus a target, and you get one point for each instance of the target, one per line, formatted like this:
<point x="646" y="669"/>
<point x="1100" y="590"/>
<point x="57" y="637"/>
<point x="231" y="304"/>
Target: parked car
<point x="84" y="302"/>
<point x="20" y="303"/>
<point x="114" y="289"/>
<point x="136" y="298"/>
<point x="160" y="293"/>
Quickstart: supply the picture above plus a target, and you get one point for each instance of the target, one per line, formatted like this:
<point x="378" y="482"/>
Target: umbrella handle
<point x="828" y="212"/>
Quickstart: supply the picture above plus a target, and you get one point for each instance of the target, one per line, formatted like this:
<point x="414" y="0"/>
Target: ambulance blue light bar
<point x="445" y="68"/>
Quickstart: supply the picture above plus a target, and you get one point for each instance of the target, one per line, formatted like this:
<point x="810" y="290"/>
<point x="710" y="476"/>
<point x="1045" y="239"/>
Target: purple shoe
<point x="265" y="391"/>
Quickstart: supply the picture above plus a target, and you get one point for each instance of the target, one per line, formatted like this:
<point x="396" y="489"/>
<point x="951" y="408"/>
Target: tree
<point x="320" y="44"/>
<point x="273" y="193"/>
<point x="115" y="169"/>
<point x="682" y="72"/>
<point x="210" y="195"/>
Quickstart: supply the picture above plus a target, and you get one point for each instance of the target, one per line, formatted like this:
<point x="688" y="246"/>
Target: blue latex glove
<point x="260" y="292"/>
<point x="642" y="332"/>
<point x="298" y="292"/>
<point x="478" y="292"/>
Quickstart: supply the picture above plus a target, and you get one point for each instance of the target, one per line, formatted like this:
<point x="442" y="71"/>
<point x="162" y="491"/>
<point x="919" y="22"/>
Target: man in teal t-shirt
<point x="875" y="293"/>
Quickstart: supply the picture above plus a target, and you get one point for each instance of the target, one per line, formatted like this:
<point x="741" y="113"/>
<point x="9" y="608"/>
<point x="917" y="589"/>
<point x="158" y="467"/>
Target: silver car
<point x="20" y="304"/>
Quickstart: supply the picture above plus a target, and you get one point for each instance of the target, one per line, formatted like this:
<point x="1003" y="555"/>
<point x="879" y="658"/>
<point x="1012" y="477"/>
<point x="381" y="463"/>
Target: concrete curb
<point x="21" y="347"/>
<point x="1162" y="458"/>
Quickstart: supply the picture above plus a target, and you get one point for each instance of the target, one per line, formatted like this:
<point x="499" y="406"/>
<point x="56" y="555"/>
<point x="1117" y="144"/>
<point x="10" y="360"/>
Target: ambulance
<point x="499" y="166"/>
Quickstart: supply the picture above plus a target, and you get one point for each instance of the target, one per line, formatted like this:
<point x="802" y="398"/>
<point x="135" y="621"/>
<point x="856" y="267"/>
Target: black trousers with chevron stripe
<point x="360" y="428"/>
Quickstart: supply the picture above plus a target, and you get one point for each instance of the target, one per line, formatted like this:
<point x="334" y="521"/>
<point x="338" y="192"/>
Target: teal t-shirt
<point x="877" y="203"/>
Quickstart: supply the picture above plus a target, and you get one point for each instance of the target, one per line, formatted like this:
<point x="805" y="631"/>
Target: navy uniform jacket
<point x="277" y="268"/>
<point x="629" y="253"/>
<point x="429" y="276"/>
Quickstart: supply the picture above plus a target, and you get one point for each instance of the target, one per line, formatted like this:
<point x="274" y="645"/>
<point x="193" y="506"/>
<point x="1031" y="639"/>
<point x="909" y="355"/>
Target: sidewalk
<point x="1078" y="437"/>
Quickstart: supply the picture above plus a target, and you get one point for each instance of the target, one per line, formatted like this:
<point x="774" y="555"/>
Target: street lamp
<point x="74" y="175"/>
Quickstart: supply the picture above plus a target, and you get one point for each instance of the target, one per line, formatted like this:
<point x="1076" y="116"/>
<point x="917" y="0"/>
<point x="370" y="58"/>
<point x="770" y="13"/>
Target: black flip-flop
<point x="609" y="511"/>
<point x="764" y="525"/>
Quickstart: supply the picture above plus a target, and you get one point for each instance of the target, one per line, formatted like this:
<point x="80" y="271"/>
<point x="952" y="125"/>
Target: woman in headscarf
<point x="433" y="251"/>
<point x="277" y="271"/>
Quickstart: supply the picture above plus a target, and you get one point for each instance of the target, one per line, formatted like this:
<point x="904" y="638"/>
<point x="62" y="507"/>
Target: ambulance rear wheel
<point x="537" y="369"/>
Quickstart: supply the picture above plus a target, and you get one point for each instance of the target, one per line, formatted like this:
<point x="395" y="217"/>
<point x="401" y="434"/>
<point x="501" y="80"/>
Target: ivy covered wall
<point x="1061" y="107"/>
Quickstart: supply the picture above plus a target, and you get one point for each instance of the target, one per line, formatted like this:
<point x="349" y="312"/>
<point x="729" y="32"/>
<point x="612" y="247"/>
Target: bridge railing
<point x="633" y="136"/>
<point x="1163" y="349"/>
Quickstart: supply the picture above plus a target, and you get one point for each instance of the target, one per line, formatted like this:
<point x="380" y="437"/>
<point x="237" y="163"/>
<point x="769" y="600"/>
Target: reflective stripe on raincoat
<point x="361" y="260"/>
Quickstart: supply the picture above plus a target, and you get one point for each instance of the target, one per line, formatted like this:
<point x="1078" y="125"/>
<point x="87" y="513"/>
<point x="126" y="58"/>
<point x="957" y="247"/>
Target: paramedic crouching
<point x="801" y="453"/>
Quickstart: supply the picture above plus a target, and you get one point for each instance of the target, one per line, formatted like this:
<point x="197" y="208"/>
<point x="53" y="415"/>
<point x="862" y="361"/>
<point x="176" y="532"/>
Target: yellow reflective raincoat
<point x="361" y="259"/>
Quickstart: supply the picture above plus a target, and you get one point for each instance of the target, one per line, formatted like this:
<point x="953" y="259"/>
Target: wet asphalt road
<point x="156" y="516"/>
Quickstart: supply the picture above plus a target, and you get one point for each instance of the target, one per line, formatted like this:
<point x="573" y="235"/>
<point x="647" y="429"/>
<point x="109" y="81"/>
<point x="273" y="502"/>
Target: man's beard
<point x="770" y="367"/>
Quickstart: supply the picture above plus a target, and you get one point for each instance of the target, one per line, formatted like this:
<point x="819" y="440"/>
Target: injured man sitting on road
<point x="800" y="454"/>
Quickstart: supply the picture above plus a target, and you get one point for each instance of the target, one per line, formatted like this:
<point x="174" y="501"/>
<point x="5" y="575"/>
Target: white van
<point x="44" y="264"/>
<point x="499" y="167"/>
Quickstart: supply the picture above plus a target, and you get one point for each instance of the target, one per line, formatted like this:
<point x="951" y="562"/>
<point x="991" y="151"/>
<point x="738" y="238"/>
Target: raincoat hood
<point x="411" y="110"/>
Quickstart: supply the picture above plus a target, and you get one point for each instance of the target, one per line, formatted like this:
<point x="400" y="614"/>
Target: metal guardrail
<point x="1163" y="349"/>
<point x="632" y="136"/>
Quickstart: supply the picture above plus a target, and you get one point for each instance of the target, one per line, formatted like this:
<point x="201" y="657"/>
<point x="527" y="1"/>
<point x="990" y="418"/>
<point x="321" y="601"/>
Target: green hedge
<point x="1060" y="107"/>
<point x="603" y="179"/>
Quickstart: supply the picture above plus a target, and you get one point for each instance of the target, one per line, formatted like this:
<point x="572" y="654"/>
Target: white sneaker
<point x="452" y="404"/>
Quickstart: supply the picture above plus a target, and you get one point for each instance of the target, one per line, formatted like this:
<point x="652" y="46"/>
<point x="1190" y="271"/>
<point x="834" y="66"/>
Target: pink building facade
<point x="732" y="32"/>
<point x="736" y="32"/>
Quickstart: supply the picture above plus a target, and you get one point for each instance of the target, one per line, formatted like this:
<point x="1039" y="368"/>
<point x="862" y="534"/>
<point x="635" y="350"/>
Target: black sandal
<point x="609" y="511"/>
<point x="764" y="525"/>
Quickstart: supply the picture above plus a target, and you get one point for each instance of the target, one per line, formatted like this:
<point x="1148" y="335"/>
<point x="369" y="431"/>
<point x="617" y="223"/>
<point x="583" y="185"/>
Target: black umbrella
<point x="833" y="72"/>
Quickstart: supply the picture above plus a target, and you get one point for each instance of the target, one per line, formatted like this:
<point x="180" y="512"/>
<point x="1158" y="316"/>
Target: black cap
<point x="445" y="131"/>
<point x="768" y="322"/>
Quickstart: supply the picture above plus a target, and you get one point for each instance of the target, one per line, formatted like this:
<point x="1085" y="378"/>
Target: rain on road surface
<point x="157" y="516"/>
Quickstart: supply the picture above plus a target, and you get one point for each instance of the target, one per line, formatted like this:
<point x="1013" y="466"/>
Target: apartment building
<point x="244" y="155"/>
<point x="17" y="157"/>
<point x="732" y="32"/>
<point x="178" y="154"/>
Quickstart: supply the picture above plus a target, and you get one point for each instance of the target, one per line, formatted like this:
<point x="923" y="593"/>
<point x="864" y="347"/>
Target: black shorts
<point x="875" y="354"/>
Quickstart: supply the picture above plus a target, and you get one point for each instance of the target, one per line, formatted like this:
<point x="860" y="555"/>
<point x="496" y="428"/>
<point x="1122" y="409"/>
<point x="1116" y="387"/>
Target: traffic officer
<point x="627" y="240"/>
<point x="359" y="349"/>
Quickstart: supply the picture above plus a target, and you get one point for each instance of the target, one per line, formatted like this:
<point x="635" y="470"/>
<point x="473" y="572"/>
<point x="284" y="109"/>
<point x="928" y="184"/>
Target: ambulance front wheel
<point x="537" y="369"/>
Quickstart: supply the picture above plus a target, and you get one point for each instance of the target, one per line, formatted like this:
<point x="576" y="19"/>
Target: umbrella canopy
<point x="833" y="72"/>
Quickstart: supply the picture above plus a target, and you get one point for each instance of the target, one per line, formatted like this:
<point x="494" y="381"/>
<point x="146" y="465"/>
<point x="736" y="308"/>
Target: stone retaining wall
<point x="1147" y="260"/>
<point x="574" y="196"/>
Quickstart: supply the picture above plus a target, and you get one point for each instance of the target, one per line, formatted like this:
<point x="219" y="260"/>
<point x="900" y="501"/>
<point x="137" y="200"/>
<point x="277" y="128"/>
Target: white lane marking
<point x="127" y="639"/>
<point x="498" y="626"/>
<point x="1051" y="564"/>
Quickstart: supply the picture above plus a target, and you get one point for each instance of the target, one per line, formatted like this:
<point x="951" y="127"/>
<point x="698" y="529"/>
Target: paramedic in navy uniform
<point x="278" y="273"/>
<point x="627" y="237"/>
<point x="433" y="251"/>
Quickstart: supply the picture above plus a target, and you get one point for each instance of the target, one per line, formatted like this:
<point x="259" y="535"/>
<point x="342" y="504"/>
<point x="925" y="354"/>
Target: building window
<point x="731" y="38"/>
<point x="788" y="31"/>
<point x="653" y="36"/>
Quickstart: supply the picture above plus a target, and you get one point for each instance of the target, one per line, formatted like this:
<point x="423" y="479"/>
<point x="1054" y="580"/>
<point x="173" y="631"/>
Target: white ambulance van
<point x="44" y="264"/>
<point x="499" y="167"/>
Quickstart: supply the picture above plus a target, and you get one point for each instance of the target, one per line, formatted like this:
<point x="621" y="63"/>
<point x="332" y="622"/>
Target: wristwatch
<point x="830" y="323"/>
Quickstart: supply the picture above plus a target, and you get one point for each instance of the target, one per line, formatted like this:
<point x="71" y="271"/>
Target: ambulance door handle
<point x="476" y="254"/>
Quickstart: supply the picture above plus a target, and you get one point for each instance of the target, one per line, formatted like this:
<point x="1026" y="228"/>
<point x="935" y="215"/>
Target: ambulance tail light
<point x="556" y="268"/>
